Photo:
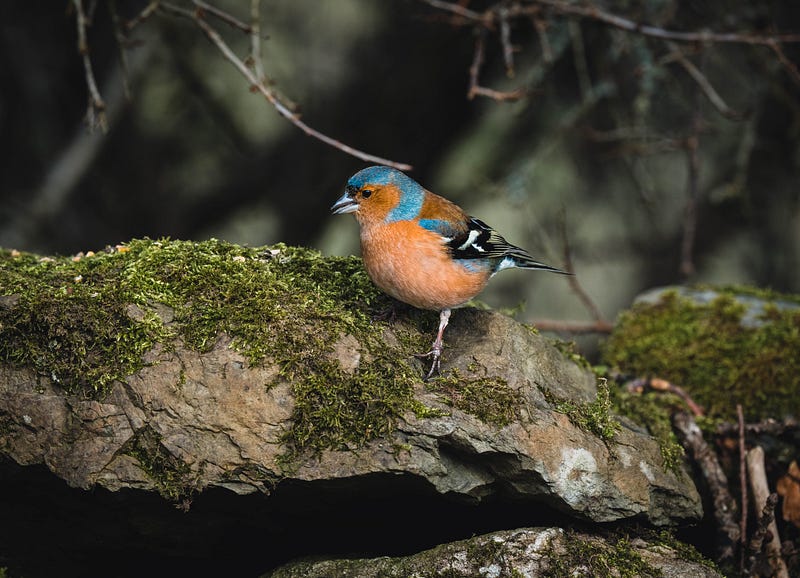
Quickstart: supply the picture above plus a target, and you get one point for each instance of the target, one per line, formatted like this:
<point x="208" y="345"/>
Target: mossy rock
<point x="724" y="346"/>
<point x="533" y="552"/>
<point x="86" y="322"/>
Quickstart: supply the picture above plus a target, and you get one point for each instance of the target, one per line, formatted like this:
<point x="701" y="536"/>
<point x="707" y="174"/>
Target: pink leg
<point x="438" y="344"/>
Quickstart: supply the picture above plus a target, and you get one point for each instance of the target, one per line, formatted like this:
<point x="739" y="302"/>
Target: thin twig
<point x="592" y="12"/>
<point x="95" y="111"/>
<point x="690" y="212"/>
<point x="223" y="16"/>
<point x="574" y="284"/>
<point x="742" y="486"/>
<point x="540" y="24"/>
<point x="505" y="40"/>
<point x="573" y="327"/>
<point x="145" y="14"/>
<point x="702" y="81"/>
<point x="642" y="384"/>
<point x="702" y="37"/>
<point x="259" y="86"/>
<point x="756" y="543"/>
<point x="255" y="40"/>
<point x="769" y="427"/>
<point x="579" y="60"/>
<point x="475" y="89"/>
<point x="122" y="41"/>
<point x="790" y="66"/>
<point x="761" y="495"/>
<point x="724" y="504"/>
<point x="456" y="9"/>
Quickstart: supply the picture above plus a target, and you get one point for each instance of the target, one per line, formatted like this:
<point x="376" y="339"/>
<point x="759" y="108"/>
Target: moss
<point x="653" y="411"/>
<point x="595" y="416"/>
<point x="172" y="477"/>
<point x="706" y="349"/>
<point x="86" y="322"/>
<point x="684" y="551"/>
<point x="569" y="349"/>
<point x="613" y="557"/>
<point x="490" y="399"/>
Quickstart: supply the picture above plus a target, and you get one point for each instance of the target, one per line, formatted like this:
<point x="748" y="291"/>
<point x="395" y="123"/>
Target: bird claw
<point x="436" y="353"/>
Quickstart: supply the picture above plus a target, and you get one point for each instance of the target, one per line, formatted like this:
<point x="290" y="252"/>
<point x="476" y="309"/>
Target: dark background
<point x="598" y="153"/>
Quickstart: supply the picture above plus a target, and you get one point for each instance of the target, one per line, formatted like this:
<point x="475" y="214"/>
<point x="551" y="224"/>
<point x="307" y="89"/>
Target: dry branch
<point x="761" y="497"/>
<point x="95" y="110"/>
<point x="260" y="86"/>
<point x="711" y="470"/>
<point x="643" y="384"/>
<point x="742" y="484"/>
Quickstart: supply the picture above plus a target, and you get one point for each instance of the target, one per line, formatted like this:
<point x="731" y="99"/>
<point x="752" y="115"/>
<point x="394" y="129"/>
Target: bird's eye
<point x="366" y="193"/>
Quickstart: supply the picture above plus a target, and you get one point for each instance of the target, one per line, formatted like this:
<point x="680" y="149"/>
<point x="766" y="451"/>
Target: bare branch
<point x="769" y="427"/>
<point x="756" y="543"/>
<point x="574" y="284"/>
<point x="540" y="24"/>
<point x="790" y="66"/>
<point x="592" y="12"/>
<point x="475" y="89"/>
<point x="222" y="16"/>
<point x="642" y="384"/>
<point x="761" y="496"/>
<point x="505" y="40"/>
<point x="724" y="504"/>
<point x="145" y="14"/>
<point x="255" y="40"/>
<point x="122" y="40"/>
<point x="702" y="37"/>
<point x="742" y="486"/>
<point x="456" y="9"/>
<point x="702" y="81"/>
<point x="690" y="212"/>
<point x="573" y="327"/>
<point x="95" y="111"/>
<point x="579" y="59"/>
<point x="261" y="87"/>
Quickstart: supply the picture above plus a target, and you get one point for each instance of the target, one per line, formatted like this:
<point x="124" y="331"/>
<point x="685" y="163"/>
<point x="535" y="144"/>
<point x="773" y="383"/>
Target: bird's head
<point x="379" y="194"/>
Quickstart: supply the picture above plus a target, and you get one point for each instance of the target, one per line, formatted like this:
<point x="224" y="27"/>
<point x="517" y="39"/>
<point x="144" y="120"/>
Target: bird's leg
<point x="438" y="344"/>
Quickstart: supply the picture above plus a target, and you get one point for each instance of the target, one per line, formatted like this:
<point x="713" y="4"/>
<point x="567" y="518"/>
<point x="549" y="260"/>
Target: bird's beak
<point x="345" y="204"/>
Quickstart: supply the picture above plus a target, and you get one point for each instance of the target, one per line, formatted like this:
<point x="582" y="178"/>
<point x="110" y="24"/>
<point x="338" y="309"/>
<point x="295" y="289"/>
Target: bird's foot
<point x="436" y="354"/>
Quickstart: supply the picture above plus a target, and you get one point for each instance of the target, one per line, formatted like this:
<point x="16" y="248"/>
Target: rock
<point x="715" y="344"/>
<point x="265" y="403"/>
<point x="195" y="421"/>
<point x="530" y="552"/>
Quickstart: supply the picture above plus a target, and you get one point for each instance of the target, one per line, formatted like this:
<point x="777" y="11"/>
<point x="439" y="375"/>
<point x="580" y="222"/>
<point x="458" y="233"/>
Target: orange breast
<point x="412" y="264"/>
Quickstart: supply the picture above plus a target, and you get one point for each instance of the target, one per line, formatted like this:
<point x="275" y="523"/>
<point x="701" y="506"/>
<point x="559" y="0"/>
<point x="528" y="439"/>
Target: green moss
<point x="86" y="323"/>
<point x="172" y="477"/>
<point x="569" y="349"/>
<point x="653" y="411"/>
<point x="613" y="557"/>
<point x="595" y="416"/>
<point x="684" y="551"/>
<point x="490" y="399"/>
<point x="706" y="349"/>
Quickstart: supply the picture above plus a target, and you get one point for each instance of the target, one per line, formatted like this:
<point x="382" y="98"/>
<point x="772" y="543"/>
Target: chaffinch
<point x="421" y="248"/>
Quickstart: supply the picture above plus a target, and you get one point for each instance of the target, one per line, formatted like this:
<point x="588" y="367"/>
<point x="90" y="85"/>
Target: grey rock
<point x="213" y="419"/>
<point x="529" y="552"/>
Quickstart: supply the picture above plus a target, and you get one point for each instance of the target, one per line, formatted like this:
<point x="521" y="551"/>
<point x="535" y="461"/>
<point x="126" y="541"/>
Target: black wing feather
<point x="480" y="241"/>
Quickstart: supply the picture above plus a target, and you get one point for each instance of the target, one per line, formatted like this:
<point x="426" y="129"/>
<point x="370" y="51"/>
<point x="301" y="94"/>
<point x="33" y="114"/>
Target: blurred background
<point x="643" y="159"/>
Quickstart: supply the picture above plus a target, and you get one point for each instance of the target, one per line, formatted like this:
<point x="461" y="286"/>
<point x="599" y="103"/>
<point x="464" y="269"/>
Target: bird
<point x="423" y="249"/>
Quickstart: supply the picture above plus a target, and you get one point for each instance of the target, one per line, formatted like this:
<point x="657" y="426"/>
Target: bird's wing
<point x="479" y="241"/>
